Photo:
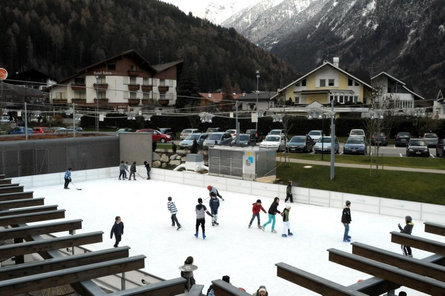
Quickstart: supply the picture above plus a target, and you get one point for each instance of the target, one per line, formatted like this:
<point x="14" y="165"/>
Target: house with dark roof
<point x="439" y="106"/>
<point x="121" y="81"/>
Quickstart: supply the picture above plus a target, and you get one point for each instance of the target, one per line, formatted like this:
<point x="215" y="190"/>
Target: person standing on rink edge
<point x="67" y="178"/>
<point x="289" y="192"/>
<point x="273" y="210"/>
<point x="214" y="205"/>
<point x="212" y="189"/>
<point x="132" y="171"/>
<point x="201" y="210"/>
<point x="346" y="220"/>
<point x="407" y="230"/>
<point x="172" y="208"/>
<point x="256" y="208"/>
<point x="147" y="167"/>
<point x="117" y="230"/>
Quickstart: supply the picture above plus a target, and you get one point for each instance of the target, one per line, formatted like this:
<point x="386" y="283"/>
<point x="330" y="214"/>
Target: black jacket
<point x="408" y="228"/>
<point x="274" y="209"/>
<point x="117" y="229"/>
<point x="346" y="216"/>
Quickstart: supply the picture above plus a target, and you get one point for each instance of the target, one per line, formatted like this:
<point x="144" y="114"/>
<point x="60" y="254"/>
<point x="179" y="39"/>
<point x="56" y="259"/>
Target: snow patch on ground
<point x="248" y="256"/>
<point x="370" y="7"/>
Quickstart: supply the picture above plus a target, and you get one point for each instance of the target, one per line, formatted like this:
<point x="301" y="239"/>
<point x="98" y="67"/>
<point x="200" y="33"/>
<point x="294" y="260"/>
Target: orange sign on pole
<point x="3" y="74"/>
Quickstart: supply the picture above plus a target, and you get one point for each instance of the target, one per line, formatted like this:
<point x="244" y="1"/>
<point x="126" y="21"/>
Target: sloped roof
<point x="162" y="67"/>
<point x="217" y="97"/>
<point x="403" y="84"/>
<point x="31" y="75"/>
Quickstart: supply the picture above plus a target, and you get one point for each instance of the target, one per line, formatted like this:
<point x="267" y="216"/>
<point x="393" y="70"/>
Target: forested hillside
<point x="59" y="37"/>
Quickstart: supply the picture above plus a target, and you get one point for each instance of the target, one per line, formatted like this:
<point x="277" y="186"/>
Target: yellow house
<point x="325" y="83"/>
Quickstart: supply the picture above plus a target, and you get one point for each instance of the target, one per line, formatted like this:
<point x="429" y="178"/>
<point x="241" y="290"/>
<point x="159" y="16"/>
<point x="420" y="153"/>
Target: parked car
<point x="186" y="132"/>
<point x="54" y="129"/>
<point x="20" y="130"/>
<point x="126" y="130"/>
<point x="254" y="134"/>
<point x="439" y="148"/>
<point x="357" y="132"/>
<point x="417" y="147"/>
<point x="276" y="142"/>
<point x="302" y="143"/>
<point x="41" y="130"/>
<point x="213" y="130"/>
<point x="431" y="139"/>
<point x="355" y="145"/>
<point x="156" y="135"/>
<point x="218" y="138"/>
<point x="232" y="132"/>
<point x="402" y="139"/>
<point x="315" y="134"/>
<point x="167" y="131"/>
<point x="278" y="132"/>
<point x="243" y="141"/>
<point x="324" y="145"/>
<point x="379" y="139"/>
<point x="188" y="143"/>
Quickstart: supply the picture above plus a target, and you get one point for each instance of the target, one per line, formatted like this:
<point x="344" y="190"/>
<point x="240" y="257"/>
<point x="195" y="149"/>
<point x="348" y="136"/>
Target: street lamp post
<point x="332" y="140"/>
<point x="256" y="106"/>
<point x="97" y="103"/>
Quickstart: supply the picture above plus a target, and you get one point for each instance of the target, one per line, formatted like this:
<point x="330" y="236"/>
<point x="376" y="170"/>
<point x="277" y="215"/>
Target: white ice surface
<point x="248" y="256"/>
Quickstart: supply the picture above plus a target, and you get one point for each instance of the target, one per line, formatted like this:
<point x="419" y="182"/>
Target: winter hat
<point x="258" y="200"/>
<point x="348" y="202"/>
<point x="209" y="187"/>
<point x="408" y="219"/>
<point x="226" y="278"/>
<point x="189" y="260"/>
<point x="199" y="200"/>
<point x="262" y="289"/>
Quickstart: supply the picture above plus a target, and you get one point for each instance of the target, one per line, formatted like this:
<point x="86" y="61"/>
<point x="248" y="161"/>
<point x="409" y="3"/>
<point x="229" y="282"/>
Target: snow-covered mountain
<point x="268" y="21"/>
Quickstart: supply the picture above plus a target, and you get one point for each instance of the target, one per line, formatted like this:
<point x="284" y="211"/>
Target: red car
<point x="41" y="130"/>
<point x="156" y="136"/>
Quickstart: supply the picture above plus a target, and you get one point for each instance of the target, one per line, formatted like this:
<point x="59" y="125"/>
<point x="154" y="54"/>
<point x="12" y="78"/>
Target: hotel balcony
<point x="78" y="86"/>
<point x="133" y="87"/>
<point x="102" y="101"/>
<point x="100" y="85"/>
<point x="133" y="102"/>
<point x="133" y="73"/>
<point x="79" y="101"/>
<point x="163" y="102"/>
<point x="60" y="101"/>
<point x="147" y="87"/>
<point x="163" y="89"/>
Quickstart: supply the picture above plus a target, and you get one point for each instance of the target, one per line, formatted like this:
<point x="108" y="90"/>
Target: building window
<point x="132" y="95"/>
<point x="331" y="82"/>
<point x="303" y="82"/>
<point x="101" y="80"/>
<point x="297" y="84"/>
<point x="356" y="83"/>
<point x="132" y="80"/>
<point x="79" y="80"/>
<point x="331" y="97"/>
<point x="133" y="68"/>
<point x="146" y="95"/>
<point x="162" y="96"/>
<point x="297" y="100"/>
<point x="355" y="99"/>
<point x="350" y="83"/>
<point x="322" y="82"/>
<point x="111" y="67"/>
<point x="341" y="99"/>
<point x="147" y="81"/>
<point x="101" y="94"/>
<point x="162" y="82"/>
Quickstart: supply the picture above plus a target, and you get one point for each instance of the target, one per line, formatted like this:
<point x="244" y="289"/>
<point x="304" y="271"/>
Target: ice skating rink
<point x="248" y="256"/>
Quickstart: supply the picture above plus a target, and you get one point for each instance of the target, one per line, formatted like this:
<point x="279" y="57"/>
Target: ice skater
<point x="122" y="170"/>
<point x="213" y="189"/>
<point x="117" y="230"/>
<point x="289" y="192"/>
<point x="201" y="210"/>
<point x="173" y="210"/>
<point x="262" y="291"/>
<point x="407" y="230"/>
<point x="214" y="205"/>
<point x="286" y="223"/>
<point x="67" y="178"/>
<point x="147" y="167"/>
<point x="346" y="220"/>
<point x="132" y="171"/>
<point x="273" y="210"/>
<point x="256" y="208"/>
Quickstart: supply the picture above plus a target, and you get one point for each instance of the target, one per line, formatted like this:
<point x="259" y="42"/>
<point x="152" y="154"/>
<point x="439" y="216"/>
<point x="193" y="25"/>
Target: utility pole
<point x="332" y="140"/>
<point x="256" y="106"/>
<point x="97" y="103"/>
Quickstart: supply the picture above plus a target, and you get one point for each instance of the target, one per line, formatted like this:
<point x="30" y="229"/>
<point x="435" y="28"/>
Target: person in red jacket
<point x="256" y="208"/>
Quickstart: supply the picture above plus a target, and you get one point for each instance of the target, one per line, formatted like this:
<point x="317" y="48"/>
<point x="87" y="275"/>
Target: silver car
<point x="324" y="145"/>
<point x="219" y="138"/>
<point x="188" y="143"/>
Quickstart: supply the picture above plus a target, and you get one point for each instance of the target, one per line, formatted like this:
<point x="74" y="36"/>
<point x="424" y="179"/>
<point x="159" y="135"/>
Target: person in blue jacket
<point x="67" y="178"/>
<point x="214" y="205"/>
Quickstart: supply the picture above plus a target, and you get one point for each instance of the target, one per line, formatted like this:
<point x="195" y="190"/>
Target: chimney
<point x="336" y="61"/>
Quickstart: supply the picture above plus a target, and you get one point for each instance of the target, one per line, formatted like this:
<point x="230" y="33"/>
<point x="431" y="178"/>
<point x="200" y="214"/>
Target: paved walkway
<point x="361" y="166"/>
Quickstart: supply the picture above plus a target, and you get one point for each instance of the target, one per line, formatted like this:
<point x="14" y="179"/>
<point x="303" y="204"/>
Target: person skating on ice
<point x="256" y="208"/>
<point x="286" y="223"/>
<point x="407" y="230"/>
<point x="147" y="167"/>
<point x="201" y="210"/>
<point x="122" y="170"/>
<point x="117" y="230"/>
<point x="214" y="205"/>
<point x="132" y="171"/>
<point x="346" y="220"/>
<point x="173" y="210"/>
<point x="212" y="189"/>
<point x="67" y="178"/>
<point x="273" y="210"/>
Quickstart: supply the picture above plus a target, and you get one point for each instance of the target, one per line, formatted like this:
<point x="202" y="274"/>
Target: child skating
<point x="346" y="220"/>
<point x="214" y="205"/>
<point x="286" y="223"/>
<point x="407" y="230"/>
<point x="173" y="210"/>
<point x="256" y="208"/>
<point x="201" y="210"/>
<point x="273" y="210"/>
